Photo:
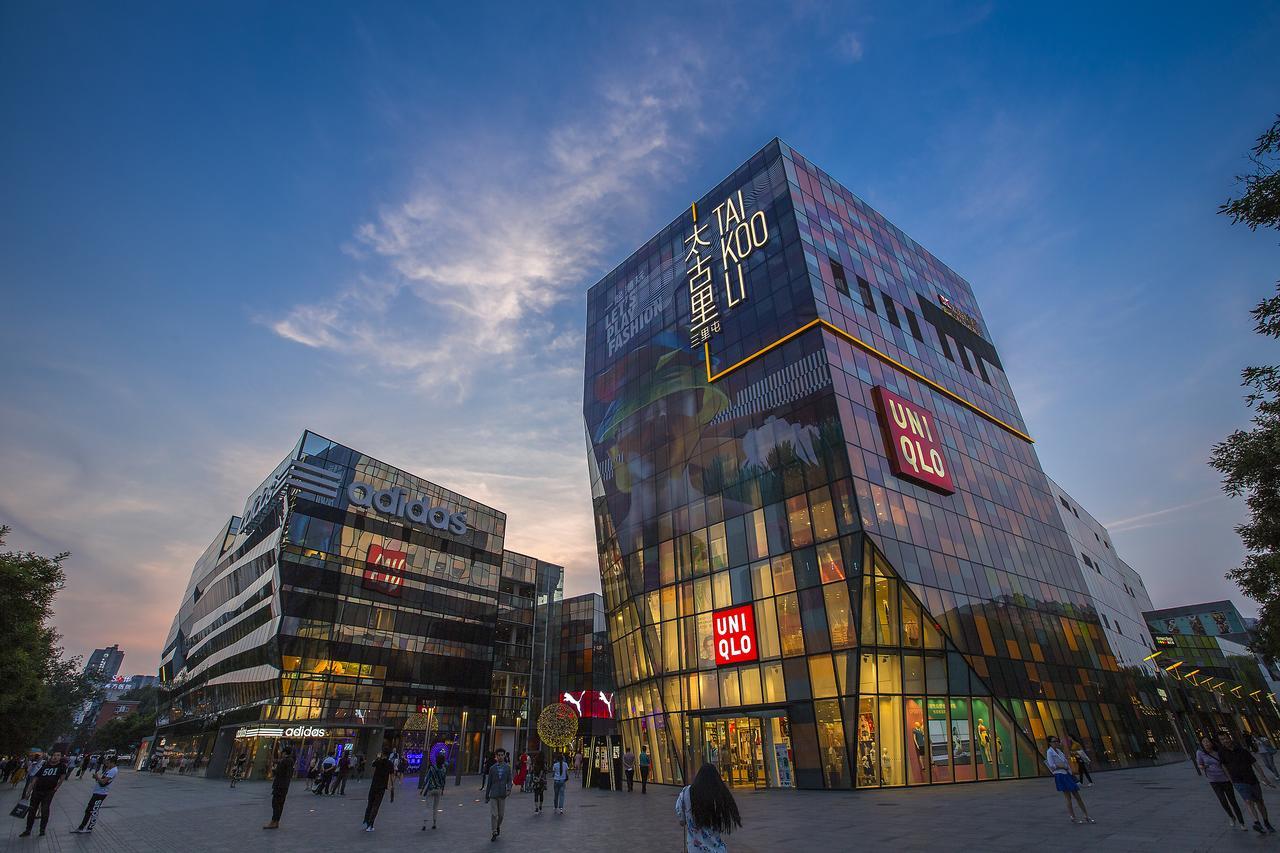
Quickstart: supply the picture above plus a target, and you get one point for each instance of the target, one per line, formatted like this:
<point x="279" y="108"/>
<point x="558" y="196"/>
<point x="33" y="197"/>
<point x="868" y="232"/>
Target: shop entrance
<point x="749" y="751"/>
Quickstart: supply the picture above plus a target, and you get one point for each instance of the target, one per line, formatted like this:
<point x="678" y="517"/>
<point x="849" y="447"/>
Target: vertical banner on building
<point x="912" y="442"/>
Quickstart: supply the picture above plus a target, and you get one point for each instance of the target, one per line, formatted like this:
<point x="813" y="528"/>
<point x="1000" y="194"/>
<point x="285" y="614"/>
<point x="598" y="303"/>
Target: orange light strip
<point x="869" y="349"/>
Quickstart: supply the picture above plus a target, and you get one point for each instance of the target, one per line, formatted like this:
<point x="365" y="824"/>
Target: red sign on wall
<point x="734" y="634"/>
<point x="383" y="568"/>
<point x="913" y="443"/>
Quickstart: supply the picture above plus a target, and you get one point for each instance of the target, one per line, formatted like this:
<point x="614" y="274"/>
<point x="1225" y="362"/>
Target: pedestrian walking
<point x="538" y="781"/>
<point x="484" y="767"/>
<point x="280" y="779"/>
<point x="559" y="778"/>
<point x="29" y="770"/>
<point x="522" y="771"/>
<point x="1239" y="762"/>
<point x="360" y="767"/>
<point x="1211" y="766"/>
<point x="383" y="771"/>
<point x="328" y="768"/>
<point x="434" y="787"/>
<point x="629" y="769"/>
<point x="1082" y="764"/>
<point x="237" y="769"/>
<point x="82" y="764"/>
<point x="344" y="770"/>
<point x="646" y="762"/>
<point x="706" y="809"/>
<point x="43" y="785"/>
<point x="1267" y="752"/>
<point x="1056" y="760"/>
<point x="104" y="778"/>
<point x="497" y="787"/>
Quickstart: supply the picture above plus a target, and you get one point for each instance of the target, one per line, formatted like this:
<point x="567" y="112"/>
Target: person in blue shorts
<point x="1056" y="760"/>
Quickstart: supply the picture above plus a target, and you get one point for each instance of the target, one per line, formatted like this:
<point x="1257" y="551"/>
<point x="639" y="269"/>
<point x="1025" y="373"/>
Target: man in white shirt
<point x="104" y="778"/>
<point x="1056" y="760"/>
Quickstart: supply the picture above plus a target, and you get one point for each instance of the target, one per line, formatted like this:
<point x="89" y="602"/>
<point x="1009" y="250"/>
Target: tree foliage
<point x="42" y="690"/>
<point x="1249" y="460"/>
<point x="124" y="732"/>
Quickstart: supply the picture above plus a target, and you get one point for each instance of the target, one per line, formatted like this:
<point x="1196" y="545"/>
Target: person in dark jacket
<point x="344" y="770"/>
<point x="280" y="779"/>
<point x="497" y="785"/>
<point x="1238" y="762"/>
<point x="382" y="773"/>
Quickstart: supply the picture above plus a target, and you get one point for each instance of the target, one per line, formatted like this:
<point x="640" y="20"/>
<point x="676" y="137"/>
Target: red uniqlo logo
<point x="912" y="441"/>
<point x="382" y="570"/>
<point x="734" y="632"/>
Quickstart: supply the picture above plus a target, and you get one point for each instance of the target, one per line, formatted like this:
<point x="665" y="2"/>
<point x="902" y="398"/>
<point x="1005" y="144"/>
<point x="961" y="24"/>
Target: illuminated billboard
<point x="912" y="442"/>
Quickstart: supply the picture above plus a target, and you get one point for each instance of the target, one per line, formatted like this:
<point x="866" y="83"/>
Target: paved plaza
<point x="1165" y="808"/>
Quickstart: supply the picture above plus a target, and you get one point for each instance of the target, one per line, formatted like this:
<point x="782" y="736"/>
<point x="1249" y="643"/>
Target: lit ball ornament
<point x="558" y="725"/>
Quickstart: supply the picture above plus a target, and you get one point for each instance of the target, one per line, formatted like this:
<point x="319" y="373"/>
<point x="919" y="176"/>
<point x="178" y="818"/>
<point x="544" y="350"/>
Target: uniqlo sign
<point x="913" y="443"/>
<point x="734" y="632"/>
<point x="383" y="568"/>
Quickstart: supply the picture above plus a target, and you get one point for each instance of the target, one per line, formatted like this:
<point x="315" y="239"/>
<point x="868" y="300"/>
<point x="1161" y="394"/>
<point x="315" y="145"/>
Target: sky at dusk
<point x="222" y="224"/>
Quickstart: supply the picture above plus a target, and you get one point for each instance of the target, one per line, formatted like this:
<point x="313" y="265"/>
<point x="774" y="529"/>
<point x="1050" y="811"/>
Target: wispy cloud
<point x="849" y="47"/>
<point x="468" y="265"/>
<point x="1150" y="519"/>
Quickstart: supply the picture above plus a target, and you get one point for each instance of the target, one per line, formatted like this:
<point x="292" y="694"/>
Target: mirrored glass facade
<point x="353" y="604"/>
<point x="829" y="555"/>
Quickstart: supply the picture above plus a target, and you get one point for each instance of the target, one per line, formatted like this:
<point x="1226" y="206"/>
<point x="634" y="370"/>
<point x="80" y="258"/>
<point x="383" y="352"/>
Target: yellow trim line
<point x="868" y="348"/>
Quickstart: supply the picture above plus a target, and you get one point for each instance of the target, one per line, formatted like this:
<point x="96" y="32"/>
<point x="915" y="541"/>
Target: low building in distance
<point x="349" y="606"/>
<point x="1215" y="681"/>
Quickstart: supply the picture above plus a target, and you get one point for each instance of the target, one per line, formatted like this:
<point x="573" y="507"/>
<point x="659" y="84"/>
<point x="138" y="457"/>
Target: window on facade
<point x="798" y="520"/>
<point x="822" y="677"/>
<point x="830" y="563"/>
<point x="767" y="630"/>
<point x="864" y="290"/>
<point x="914" y="324"/>
<point x="784" y="579"/>
<point x="890" y="311"/>
<point x="964" y="357"/>
<point x="752" y="692"/>
<point x="761" y="580"/>
<point x="774" y="689"/>
<point x="839" y="615"/>
<point x="824" y="517"/>
<point x="837" y="273"/>
<point x="790" y="630"/>
<point x="831" y="744"/>
<point x="946" y="347"/>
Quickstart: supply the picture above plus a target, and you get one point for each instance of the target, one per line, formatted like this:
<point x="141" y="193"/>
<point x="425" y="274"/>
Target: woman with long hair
<point x="1211" y="766"/>
<point x="538" y="780"/>
<point x="706" y="809"/>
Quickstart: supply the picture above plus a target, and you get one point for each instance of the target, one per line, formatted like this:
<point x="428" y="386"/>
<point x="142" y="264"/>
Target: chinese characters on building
<point x="738" y="236"/>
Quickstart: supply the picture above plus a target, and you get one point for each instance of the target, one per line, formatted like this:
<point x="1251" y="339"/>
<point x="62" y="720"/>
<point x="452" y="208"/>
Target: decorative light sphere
<point x="558" y="725"/>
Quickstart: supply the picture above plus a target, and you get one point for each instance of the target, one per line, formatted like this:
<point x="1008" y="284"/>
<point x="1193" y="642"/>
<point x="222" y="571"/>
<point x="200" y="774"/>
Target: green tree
<point x="124" y="732"/>
<point x="42" y="690"/>
<point x="1249" y="460"/>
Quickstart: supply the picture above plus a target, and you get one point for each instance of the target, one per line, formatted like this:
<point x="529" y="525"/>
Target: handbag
<point x="20" y="810"/>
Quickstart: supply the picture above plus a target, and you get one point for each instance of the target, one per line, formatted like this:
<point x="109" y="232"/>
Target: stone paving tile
<point x="1161" y="809"/>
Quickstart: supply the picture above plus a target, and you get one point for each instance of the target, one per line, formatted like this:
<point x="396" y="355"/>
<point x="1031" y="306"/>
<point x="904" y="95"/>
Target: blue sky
<point x="221" y="225"/>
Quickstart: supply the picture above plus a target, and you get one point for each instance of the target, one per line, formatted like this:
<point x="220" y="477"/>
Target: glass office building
<point x="829" y="555"/>
<point x="351" y="605"/>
